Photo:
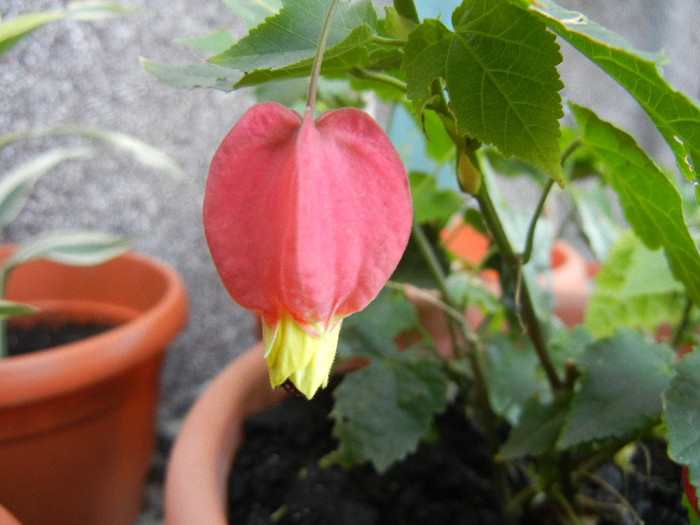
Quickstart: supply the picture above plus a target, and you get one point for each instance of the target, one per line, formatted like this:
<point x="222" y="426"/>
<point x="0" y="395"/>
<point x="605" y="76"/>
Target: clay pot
<point x="196" y="481"/>
<point x="77" y="421"/>
<point x="6" y="518"/>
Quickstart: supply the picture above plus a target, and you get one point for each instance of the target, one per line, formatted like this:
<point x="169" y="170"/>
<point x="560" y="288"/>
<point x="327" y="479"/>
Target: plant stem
<point x="532" y="324"/>
<point x="527" y="252"/>
<point x="318" y="58"/>
<point x="683" y="324"/>
<point x="362" y="73"/>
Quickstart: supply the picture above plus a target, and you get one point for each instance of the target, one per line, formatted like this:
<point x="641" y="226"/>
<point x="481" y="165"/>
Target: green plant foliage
<point x="253" y="11"/>
<point x="499" y="66"/>
<point x="213" y="43"/>
<point x="78" y="248"/>
<point x="290" y="38"/>
<point x="674" y="114"/>
<point x="598" y="223"/>
<point x="512" y="374"/>
<point x="13" y="30"/>
<point x="194" y="75"/>
<point x="10" y="308"/>
<point x="538" y="430"/>
<point x="634" y="289"/>
<point x="383" y="410"/>
<point x="682" y="413"/>
<point x="650" y="201"/>
<point x="16" y="185"/>
<point x="622" y="380"/>
<point x="431" y="203"/>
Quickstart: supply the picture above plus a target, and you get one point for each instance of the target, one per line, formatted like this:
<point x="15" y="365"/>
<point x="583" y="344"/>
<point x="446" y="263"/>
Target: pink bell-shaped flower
<point x="305" y="221"/>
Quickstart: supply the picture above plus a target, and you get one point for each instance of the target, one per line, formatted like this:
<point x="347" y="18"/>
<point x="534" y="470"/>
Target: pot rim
<point x="51" y="372"/>
<point x="196" y="482"/>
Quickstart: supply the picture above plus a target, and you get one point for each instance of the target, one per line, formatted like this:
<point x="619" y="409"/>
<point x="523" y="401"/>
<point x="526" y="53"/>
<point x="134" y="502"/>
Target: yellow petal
<point x="294" y="353"/>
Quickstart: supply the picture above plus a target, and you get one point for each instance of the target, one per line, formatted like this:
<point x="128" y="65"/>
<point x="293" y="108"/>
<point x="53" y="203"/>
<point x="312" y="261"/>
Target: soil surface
<point x="26" y="339"/>
<point x="277" y="478"/>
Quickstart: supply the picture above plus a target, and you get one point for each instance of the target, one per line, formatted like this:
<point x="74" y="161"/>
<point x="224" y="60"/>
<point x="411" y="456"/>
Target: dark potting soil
<point x="277" y="478"/>
<point x="26" y="339"/>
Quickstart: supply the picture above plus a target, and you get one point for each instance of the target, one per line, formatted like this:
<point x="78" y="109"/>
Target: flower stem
<point x="513" y="262"/>
<point x="318" y="57"/>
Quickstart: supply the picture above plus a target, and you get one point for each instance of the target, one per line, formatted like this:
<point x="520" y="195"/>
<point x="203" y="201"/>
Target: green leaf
<point x="512" y="376"/>
<point x="371" y="332"/>
<point x="10" y="308"/>
<point x="18" y="183"/>
<point x="430" y="203"/>
<point x="538" y="429"/>
<point x="503" y="82"/>
<point x="634" y="289"/>
<point x="292" y="35"/>
<point x="407" y="9"/>
<point x="383" y="410"/>
<point x="499" y="65"/>
<point x="253" y="11"/>
<point x="13" y="30"/>
<point x="79" y="248"/>
<point x="425" y="58"/>
<point x="682" y="401"/>
<point x="674" y="114"/>
<point x="16" y="28"/>
<point x="398" y="26"/>
<point x="650" y="201"/>
<point x="598" y="223"/>
<point x="621" y="384"/>
<point x="194" y="75"/>
<point x="213" y="43"/>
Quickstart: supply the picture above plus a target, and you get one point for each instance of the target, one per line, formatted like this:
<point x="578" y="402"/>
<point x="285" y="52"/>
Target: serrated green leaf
<point x="194" y="75"/>
<point x="337" y="60"/>
<point x="650" y="201"/>
<point x="682" y="416"/>
<point x="503" y="83"/>
<point x="511" y="376"/>
<point x="621" y="384"/>
<point x="634" y="289"/>
<point x="292" y="35"/>
<point x="18" y="183"/>
<point x="674" y="114"/>
<point x="213" y="43"/>
<point x="253" y="12"/>
<point x="429" y="202"/>
<point x="425" y="58"/>
<point x="538" y="429"/>
<point x="371" y="332"/>
<point x="383" y="411"/>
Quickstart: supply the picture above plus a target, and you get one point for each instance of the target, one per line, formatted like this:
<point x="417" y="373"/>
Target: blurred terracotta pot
<point x="77" y="421"/>
<point x="6" y="518"/>
<point x="196" y="483"/>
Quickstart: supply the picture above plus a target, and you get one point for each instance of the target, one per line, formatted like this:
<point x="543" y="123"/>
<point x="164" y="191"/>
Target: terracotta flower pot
<point x="197" y="477"/>
<point x="77" y="421"/>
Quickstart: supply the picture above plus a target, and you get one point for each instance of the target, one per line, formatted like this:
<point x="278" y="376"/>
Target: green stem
<point x="527" y="253"/>
<point x="365" y="74"/>
<point x="532" y="324"/>
<point x="386" y="41"/>
<point x="683" y="324"/>
<point x="318" y="58"/>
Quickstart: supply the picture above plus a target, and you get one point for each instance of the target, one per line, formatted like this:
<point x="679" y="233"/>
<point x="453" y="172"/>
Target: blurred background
<point x="87" y="74"/>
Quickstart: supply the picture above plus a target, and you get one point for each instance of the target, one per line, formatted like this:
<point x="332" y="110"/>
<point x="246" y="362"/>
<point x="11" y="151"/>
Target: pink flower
<point x="305" y="221"/>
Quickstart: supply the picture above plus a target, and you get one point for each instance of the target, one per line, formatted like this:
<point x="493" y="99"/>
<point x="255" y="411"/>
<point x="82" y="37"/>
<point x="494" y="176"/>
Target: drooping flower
<point x="305" y="221"/>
